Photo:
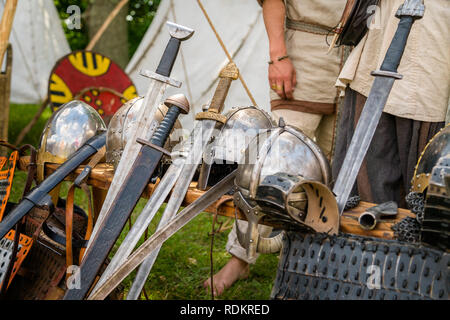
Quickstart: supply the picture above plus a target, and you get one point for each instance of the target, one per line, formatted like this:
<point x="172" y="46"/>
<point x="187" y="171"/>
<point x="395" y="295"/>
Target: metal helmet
<point x="436" y="148"/>
<point x="66" y="131"/>
<point x="284" y="168"/>
<point x="119" y="129"/>
<point x="282" y="149"/>
<point x="232" y="138"/>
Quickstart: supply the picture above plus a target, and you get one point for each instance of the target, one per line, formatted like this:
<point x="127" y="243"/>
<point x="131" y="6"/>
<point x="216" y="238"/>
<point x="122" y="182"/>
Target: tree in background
<point x="123" y="35"/>
<point x="114" y="41"/>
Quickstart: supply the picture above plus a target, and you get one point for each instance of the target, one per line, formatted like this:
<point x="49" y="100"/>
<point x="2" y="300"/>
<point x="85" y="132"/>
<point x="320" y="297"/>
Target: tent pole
<point x="5" y="83"/>
<point x="6" y="26"/>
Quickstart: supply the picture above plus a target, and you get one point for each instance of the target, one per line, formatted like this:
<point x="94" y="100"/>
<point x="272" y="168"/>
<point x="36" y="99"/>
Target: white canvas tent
<point x="38" y="41"/>
<point x="241" y="27"/>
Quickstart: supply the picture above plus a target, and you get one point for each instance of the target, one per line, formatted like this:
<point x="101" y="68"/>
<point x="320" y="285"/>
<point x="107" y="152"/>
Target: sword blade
<point x="365" y="129"/>
<point x="184" y="217"/>
<point x="144" y="129"/>
<point x="201" y="137"/>
<point x="115" y="220"/>
<point x="143" y="220"/>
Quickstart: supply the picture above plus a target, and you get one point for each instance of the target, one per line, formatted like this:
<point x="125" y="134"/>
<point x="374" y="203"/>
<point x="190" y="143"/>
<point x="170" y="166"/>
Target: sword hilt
<point x="227" y="75"/>
<point x="177" y="104"/>
<point x="407" y="13"/>
<point x="178" y="33"/>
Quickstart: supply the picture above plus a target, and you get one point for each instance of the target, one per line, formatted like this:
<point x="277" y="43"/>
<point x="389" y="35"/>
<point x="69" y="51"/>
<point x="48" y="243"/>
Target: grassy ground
<point x="184" y="261"/>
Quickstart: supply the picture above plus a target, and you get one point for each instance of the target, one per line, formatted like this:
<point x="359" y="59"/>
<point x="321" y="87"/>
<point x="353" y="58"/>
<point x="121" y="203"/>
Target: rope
<point x="226" y="51"/>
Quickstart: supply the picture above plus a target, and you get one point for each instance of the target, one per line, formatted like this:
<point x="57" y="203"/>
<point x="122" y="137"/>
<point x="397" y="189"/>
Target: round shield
<point x="92" y="78"/>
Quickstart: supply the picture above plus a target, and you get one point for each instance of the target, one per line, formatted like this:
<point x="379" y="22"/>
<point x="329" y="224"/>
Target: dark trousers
<point x="388" y="167"/>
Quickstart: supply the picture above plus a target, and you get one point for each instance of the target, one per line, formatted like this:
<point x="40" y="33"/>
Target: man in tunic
<point x="417" y="105"/>
<point x="302" y="78"/>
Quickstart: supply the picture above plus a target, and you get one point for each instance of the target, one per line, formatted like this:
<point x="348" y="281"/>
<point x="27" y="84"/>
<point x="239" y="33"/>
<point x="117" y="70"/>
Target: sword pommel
<point x="180" y="101"/>
<point x="179" y="32"/>
<point x="231" y="71"/>
<point x="412" y="8"/>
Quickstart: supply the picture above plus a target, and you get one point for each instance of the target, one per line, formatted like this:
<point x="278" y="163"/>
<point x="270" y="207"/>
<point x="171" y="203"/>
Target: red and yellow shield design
<point x="92" y="78"/>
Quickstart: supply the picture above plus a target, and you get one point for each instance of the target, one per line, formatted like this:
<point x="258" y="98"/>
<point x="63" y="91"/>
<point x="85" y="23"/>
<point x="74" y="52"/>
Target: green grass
<point x="184" y="260"/>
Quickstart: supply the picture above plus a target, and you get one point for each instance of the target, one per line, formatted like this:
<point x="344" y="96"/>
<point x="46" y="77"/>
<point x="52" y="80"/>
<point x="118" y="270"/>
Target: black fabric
<point x="389" y="164"/>
<point x="356" y="26"/>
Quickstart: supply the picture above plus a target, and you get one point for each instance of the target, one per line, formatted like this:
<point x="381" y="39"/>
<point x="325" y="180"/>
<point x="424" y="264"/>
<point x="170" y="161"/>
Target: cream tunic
<point x="423" y="93"/>
<point x="317" y="71"/>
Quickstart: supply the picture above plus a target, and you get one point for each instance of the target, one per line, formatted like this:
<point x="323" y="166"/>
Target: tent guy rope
<point x="226" y="51"/>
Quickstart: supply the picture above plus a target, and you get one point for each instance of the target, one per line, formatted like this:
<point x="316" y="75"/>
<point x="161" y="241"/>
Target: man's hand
<point x="283" y="78"/>
<point x="282" y="75"/>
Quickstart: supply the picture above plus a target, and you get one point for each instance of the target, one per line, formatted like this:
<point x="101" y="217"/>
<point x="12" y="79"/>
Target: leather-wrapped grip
<point x="398" y="44"/>
<point x="165" y="127"/>
<point x="170" y="55"/>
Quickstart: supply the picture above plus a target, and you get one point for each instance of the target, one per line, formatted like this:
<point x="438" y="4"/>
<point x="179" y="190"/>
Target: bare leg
<point x="235" y="269"/>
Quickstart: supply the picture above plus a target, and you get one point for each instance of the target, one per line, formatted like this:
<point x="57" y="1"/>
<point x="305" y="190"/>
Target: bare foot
<point x="235" y="269"/>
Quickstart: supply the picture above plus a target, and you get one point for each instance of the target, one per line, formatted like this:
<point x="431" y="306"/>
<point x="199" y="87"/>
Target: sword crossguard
<point x="151" y="145"/>
<point x="161" y="78"/>
<point x="210" y="115"/>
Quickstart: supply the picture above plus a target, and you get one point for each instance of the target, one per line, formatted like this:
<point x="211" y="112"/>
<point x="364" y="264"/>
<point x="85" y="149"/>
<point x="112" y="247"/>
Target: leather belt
<point x="307" y="27"/>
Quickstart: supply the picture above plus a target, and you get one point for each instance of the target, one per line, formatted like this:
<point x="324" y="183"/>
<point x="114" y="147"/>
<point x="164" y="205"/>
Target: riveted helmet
<point x="436" y="148"/>
<point x="121" y="123"/>
<point x="283" y="178"/>
<point x="230" y="141"/>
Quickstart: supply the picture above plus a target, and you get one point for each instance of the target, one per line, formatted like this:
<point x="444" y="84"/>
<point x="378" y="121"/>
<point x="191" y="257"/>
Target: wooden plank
<point x="102" y="174"/>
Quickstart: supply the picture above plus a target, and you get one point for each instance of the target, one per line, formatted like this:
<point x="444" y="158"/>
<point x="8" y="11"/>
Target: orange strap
<point x="7" y="176"/>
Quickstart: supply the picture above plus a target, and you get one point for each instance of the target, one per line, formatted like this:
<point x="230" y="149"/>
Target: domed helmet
<point x="436" y="148"/>
<point x="283" y="178"/>
<point x="65" y="132"/>
<point x="230" y="141"/>
<point x="121" y="123"/>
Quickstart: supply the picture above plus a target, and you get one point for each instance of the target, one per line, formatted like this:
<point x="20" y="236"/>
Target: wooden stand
<point x="101" y="177"/>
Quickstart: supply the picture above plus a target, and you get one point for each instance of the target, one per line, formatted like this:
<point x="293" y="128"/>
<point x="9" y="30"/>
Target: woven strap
<point x="307" y="27"/>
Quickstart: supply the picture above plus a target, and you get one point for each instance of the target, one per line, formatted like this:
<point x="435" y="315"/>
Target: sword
<point x="381" y="88"/>
<point x="39" y="195"/>
<point x="200" y="137"/>
<point x="193" y="146"/>
<point x="146" y="124"/>
<point x="145" y="217"/>
<point x="159" y="237"/>
<point x="127" y="197"/>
